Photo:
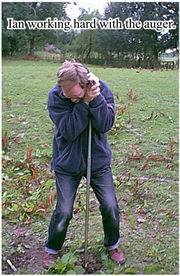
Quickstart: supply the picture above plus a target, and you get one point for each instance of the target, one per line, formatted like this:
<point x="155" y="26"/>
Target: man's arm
<point x="69" y="122"/>
<point x="102" y="110"/>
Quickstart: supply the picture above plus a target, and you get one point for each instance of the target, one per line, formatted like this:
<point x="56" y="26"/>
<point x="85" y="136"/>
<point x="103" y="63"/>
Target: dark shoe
<point x="117" y="256"/>
<point x="49" y="260"/>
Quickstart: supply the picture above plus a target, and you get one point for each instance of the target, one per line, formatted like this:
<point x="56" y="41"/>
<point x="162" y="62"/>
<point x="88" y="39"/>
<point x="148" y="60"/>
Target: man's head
<point x="73" y="79"/>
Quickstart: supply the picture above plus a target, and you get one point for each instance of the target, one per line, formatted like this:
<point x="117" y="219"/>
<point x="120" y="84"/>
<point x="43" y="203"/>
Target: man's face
<point x="75" y="93"/>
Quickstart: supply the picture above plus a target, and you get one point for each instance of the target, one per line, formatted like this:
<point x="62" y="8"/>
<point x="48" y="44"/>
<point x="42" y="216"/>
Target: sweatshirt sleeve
<point x="102" y="109"/>
<point x="69" y="120"/>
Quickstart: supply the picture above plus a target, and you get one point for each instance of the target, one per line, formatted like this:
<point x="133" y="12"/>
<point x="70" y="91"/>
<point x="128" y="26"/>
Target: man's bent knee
<point x="62" y="220"/>
<point x="111" y="210"/>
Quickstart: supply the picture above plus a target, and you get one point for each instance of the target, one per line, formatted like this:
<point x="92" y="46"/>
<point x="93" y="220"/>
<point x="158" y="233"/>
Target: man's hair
<point x="72" y="73"/>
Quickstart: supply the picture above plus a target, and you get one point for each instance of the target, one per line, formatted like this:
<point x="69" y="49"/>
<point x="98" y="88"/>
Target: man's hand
<point x="93" y="90"/>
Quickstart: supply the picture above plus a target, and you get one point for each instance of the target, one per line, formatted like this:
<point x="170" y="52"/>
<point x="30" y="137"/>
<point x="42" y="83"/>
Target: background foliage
<point x="123" y="48"/>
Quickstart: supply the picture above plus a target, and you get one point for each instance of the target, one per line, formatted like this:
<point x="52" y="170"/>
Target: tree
<point x="20" y="39"/>
<point x="84" y="43"/>
<point x="157" y="42"/>
<point x="146" y="44"/>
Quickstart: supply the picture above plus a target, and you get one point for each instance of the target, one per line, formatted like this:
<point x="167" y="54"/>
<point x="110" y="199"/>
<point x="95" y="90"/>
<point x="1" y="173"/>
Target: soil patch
<point x="24" y="251"/>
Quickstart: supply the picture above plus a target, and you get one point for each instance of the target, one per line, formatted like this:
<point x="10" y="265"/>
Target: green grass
<point x="149" y="127"/>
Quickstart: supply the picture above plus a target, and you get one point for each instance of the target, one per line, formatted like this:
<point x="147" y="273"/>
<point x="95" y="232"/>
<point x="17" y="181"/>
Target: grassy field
<point x="144" y="143"/>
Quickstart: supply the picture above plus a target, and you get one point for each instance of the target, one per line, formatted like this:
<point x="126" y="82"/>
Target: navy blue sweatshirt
<point x="70" y="143"/>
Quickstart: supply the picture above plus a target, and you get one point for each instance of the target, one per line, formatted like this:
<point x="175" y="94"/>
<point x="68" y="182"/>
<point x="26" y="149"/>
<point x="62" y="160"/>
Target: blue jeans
<point x="103" y="187"/>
